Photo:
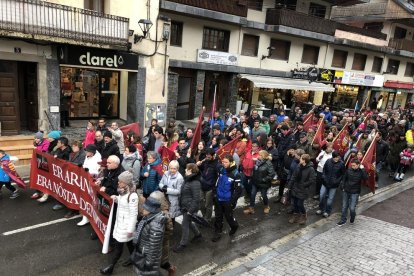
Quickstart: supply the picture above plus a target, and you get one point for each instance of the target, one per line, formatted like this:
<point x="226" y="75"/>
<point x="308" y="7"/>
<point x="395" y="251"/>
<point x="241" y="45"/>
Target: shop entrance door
<point x="29" y="111"/>
<point x="9" y="102"/>
<point x="183" y="98"/>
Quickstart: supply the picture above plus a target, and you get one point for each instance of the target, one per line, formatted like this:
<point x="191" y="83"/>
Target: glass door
<point x="108" y="100"/>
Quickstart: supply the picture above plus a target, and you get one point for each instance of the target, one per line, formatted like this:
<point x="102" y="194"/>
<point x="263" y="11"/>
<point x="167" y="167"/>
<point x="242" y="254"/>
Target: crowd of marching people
<point x="170" y="173"/>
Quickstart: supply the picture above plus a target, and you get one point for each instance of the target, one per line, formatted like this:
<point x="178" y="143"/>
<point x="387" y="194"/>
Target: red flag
<point x="10" y="170"/>
<point x="341" y="141"/>
<point x="227" y="148"/>
<point x="369" y="164"/>
<point x="318" y="139"/>
<point x="167" y="156"/>
<point x="308" y="121"/>
<point x="197" y="132"/>
<point x="213" y="107"/>
<point x="134" y="127"/>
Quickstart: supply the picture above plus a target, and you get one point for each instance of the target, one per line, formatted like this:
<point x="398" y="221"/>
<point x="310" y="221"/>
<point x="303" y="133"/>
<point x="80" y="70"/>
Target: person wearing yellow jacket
<point x="409" y="136"/>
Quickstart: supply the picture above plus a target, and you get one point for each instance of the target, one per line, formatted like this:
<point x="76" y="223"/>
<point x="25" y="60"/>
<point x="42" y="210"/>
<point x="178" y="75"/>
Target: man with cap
<point x="126" y="219"/>
<point x="148" y="239"/>
<point x="99" y="141"/>
<point x="303" y="143"/>
<point x="333" y="170"/>
<point x="111" y="147"/>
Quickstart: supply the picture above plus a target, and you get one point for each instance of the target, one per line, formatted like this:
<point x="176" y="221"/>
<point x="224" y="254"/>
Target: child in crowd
<point x="406" y="159"/>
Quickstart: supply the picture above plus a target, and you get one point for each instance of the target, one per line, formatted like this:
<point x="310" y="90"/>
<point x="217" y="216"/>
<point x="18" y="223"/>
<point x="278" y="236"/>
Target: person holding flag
<point x="7" y="174"/>
<point x="351" y="187"/>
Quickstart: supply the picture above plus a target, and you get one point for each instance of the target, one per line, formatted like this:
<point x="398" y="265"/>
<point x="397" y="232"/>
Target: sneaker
<point x="35" y="196"/>
<point x="197" y="238"/>
<point x="341" y="223"/>
<point x="43" y="198"/>
<point x="233" y="231"/>
<point x="178" y="249"/>
<point x="352" y="220"/>
<point x="319" y="212"/>
<point x="83" y="222"/>
<point x="14" y="195"/>
<point x="325" y="215"/>
<point x="57" y="207"/>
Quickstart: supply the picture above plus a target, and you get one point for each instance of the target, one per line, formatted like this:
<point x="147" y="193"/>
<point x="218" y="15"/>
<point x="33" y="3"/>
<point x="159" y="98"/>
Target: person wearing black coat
<point x="302" y="179"/>
<point x="99" y="142"/>
<point x="109" y="182"/>
<point x="183" y="155"/>
<point x="63" y="150"/>
<point x="284" y="141"/>
<point x="351" y="187"/>
<point x="189" y="205"/>
<point x="209" y="174"/>
<point x="283" y="171"/>
<point x="111" y="147"/>
<point x="263" y="174"/>
<point x="333" y="170"/>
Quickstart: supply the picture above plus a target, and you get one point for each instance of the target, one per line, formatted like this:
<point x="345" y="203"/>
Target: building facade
<point x="90" y="58"/>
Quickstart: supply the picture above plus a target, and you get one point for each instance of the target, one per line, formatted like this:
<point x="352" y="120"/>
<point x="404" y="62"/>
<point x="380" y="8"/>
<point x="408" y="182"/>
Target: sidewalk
<point x="369" y="247"/>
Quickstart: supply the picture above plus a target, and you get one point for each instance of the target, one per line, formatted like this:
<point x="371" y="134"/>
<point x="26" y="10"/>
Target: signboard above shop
<point x="215" y="57"/>
<point x="99" y="58"/>
<point x="356" y="78"/>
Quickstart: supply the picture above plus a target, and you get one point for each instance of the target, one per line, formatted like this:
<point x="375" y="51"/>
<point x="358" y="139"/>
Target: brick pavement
<point x="369" y="247"/>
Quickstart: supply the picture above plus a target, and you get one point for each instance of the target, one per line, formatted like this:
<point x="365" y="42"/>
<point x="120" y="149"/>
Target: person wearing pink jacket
<point x="40" y="142"/>
<point x="90" y="134"/>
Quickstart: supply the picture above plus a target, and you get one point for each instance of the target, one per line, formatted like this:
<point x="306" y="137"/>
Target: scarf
<point x="141" y="226"/>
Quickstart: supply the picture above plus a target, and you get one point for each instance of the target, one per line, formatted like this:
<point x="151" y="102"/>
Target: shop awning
<point x="283" y="83"/>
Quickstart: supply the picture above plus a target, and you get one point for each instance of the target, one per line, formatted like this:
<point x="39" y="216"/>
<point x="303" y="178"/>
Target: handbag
<point x="285" y="200"/>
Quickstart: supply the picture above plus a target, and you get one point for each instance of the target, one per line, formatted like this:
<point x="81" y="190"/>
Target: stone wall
<point x="172" y="95"/>
<point x="53" y="92"/>
<point x="136" y="97"/>
<point x="199" y="96"/>
<point x="233" y="91"/>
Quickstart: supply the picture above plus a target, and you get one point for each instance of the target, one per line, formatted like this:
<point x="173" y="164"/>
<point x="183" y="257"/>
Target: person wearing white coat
<point x="126" y="219"/>
<point x="170" y="184"/>
<point x="323" y="156"/>
<point x="91" y="164"/>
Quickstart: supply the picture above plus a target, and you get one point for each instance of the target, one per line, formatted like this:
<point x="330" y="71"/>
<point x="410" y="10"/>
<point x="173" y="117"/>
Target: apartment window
<point x="359" y="62"/>
<point x="317" y="10"/>
<point x="214" y="39"/>
<point x="95" y="5"/>
<point x="339" y="59"/>
<point x="393" y="66"/>
<point x="282" y="49"/>
<point x="374" y="26"/>
<point x="176" y="33"/>
<point x="310" y="54"/>
<point x="400" y="33"/>
<point x="250" y="45"/>
<point x="377" y="64"/>
<point x="409" y="70"/>
<point x="255" y="4"/>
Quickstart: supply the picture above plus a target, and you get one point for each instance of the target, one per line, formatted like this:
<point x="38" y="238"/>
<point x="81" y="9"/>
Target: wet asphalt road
<point x="65" y="249"/>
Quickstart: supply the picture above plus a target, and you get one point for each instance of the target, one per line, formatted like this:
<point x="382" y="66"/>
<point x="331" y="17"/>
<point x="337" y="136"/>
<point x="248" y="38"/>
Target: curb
<point x="279" y="246"/>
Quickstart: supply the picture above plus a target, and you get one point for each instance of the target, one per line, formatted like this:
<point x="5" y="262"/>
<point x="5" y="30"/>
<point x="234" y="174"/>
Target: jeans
<point x="207" y="204"/>
<point x="224" y="209"/>
<point x="326" y="198"/>
<point x="185" y="229"/>
<point x="349" y="201"/>
<point x="263" y="191"/>
<point x="298" y="205"/>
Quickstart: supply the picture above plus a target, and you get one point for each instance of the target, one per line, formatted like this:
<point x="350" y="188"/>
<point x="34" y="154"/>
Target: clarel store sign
<point x="99" y="58"/>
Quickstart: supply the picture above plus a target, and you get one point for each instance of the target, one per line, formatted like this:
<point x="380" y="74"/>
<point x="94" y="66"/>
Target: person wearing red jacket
<point x="90" y="134"/>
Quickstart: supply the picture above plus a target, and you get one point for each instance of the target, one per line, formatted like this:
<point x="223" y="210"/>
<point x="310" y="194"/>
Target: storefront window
<point x="88" y="93"/>
<point x="345" y="96"/>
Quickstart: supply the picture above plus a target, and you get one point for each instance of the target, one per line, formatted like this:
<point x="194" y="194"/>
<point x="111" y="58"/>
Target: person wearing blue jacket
<point x="4" y="177"/>
<point x="227" y="191"/>
<point x="151" y="174"/>
<point x="217" y="120"/>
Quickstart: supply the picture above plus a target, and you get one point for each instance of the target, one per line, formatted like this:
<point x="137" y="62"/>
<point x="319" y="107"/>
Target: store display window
<point x="88" y="93"/>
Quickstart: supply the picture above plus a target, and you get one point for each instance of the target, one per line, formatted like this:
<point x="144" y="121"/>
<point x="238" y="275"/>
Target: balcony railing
<point x="402" y="44"/>
<point x="234" y="7"/>
<point x="360" y="10"/>
<point x="361" y="31"/>
<point x="298" y="20"/>
<point x="48" y="21"/>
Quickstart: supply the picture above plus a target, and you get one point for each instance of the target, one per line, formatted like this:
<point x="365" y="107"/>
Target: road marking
<point x="39" y="225"/>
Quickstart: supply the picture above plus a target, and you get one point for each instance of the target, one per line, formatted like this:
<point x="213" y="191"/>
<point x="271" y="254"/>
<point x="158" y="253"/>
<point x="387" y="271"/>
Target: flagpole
<point x="317" y="130"/>
<point x="340" y="132"/>
<point x="372" y="143"/>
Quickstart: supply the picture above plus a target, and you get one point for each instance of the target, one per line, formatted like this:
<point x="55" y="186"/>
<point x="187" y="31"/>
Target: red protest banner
<point x="73" y="187"/>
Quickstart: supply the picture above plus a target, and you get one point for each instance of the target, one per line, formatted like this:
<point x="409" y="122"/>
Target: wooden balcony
<point x="43" y="20"/>
<point x="233" y="7"/>
<point x="301" y="21"/>
<point x="361" y="10"/>
<point x="402" y="44"/>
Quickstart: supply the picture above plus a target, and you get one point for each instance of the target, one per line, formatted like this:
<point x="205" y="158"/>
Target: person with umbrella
<point x="189" y="204"/>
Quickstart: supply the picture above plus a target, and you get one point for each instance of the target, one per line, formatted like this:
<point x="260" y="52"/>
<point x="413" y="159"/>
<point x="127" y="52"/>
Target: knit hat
<point x="91" y="148"/>
<point x="39" y="135"/>
<point x="107" y="134"/>
<point x="126" y="177"/>
<point x="152" y="205"/>
<point x="54" y="134"/>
